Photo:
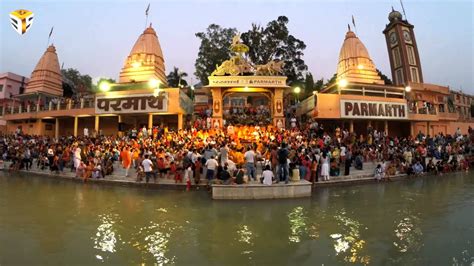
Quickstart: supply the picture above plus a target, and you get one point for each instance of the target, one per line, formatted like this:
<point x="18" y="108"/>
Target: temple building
<point x="360" y="99"/>
<point x="140" y="98"/>
<point x="240" y="92"/>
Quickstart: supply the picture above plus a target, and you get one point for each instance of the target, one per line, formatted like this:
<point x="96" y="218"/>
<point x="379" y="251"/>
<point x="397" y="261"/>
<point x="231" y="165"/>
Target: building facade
<point x="359" y="99"/>
<point x="141" y="98"/>
<point x="11" y="85"/>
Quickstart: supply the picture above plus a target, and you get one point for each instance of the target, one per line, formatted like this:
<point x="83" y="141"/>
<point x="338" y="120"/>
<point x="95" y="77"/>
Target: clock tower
<point x="402" y="50"/>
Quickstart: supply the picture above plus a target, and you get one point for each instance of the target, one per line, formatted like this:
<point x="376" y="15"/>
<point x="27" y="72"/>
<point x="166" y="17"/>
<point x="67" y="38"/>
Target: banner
<point x="138" y="103"/>
<point x="357" y="109"/>
<point x="248" y="81"/>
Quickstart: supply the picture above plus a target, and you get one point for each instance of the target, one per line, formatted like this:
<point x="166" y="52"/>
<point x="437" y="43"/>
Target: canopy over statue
<point x="239" y="64"/>
<point x="239" y="76"/>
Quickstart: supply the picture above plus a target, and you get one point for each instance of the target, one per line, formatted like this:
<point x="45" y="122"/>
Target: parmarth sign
<point x="357" y="109"/>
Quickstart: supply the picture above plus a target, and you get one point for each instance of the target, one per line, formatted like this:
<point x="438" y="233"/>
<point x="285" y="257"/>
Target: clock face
<point x="393" y="38"/>
<point x="406" y="36"/>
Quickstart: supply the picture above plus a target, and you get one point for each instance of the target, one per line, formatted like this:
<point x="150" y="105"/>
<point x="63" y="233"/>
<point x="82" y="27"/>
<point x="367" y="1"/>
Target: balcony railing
<point x="50" y="106"/>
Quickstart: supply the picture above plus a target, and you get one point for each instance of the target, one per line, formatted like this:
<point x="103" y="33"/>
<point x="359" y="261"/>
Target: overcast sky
<point x="96" y="36"/>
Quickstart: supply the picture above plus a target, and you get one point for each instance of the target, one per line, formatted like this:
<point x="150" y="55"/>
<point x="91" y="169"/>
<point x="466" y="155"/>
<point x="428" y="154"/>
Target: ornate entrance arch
<point x="273" y="86"/>
<point x="239" y="75"/>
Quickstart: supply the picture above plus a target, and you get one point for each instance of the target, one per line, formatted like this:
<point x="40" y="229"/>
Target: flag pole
<point x="403" y="9"/>
<point x="146" y="14"/>
<point x="49" y="36"/>
<point x="353" y="23"/>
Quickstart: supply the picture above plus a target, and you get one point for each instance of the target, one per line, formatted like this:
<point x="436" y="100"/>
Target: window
<point x="399" y="76"/>
<point x="441" y="108"/>
<point x="414" y="74"/>
<point x="396" y="57"/>
<point x="411" y="55"/>
<point x="1" y="87"/>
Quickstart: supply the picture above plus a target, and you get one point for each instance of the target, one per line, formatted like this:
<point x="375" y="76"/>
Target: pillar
<point x="56" y="129"/>
<point x="386" y="127"/>
<point x="351" y="126"/>
<point x="76" y="123"/>
<point x="180" y="121"/>
<point x="96" y="124"/>
<point x="150" y="121"/>
<point x="39" y="127"/>
<point x="120" y="134"/>
<point x="217" y="107"/>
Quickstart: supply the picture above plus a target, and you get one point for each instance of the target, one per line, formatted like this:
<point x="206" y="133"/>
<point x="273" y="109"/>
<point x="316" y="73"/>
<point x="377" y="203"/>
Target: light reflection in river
<point x="297" y="224"/>
<point x="246" y="236"/>
<point x="408" y="234"/>
<point x="154" y="239"/>
<point x="106" y="236"/>
<point x="349" y="243"/>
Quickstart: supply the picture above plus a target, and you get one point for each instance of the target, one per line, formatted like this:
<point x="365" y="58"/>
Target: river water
<point x="425" y="221"/>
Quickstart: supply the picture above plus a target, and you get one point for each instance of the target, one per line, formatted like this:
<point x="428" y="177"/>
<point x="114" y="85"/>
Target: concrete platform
<point x="299" y="189"/>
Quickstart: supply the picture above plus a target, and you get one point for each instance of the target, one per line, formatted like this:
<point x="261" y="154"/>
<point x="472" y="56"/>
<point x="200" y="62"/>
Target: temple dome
<point x="46" y="77"/>
<point x="145" y="61"/>
<point x="394" y="15"/>
<point x="354" y="63"/>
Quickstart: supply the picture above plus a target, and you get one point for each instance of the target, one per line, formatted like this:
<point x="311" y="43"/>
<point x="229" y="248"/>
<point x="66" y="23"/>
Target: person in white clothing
<point x="77" y="157"/>
<point x="211" y="166"/>
<point x="148" y="168"/>
<point x="86" y="132"/>
<point x="267" y="176"/>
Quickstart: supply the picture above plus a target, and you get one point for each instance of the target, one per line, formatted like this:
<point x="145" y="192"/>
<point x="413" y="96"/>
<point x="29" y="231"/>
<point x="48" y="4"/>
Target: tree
<point x="176" y="78"/>
<point x="331" y="80"/>
<point x="308" y="85"/>
<point x="319" y="85"/>
<point x="384" y="78"/>
<point x="274" y="42"/>
<point x="214" y="49"/>
<point x="80" y="83"/>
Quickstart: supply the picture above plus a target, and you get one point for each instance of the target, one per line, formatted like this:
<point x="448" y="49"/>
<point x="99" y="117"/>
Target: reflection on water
<point x="348" y="243"/>
<point x="154" y="239"/>
<point x="297" y="224"/>
<point x="246" y="236"/>
<point x="106" y="236"/>
<point x="409" y="234"/>
<point x="396" y="223"/>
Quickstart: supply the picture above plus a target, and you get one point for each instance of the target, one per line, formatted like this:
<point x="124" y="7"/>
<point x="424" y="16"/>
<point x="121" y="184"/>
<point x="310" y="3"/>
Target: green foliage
<point x="331" y="80"/>
<point x="384" y="78"/>
<point x="274" y="42"/>
<point x="79" y="82"/>
<point x="319" y="85"/>
<point x="176" y="78"/>
<point x="214" y="49"/>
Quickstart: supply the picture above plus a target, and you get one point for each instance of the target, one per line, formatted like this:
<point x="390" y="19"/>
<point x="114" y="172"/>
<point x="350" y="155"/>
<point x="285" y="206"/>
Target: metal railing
<point x="50" y="106"/>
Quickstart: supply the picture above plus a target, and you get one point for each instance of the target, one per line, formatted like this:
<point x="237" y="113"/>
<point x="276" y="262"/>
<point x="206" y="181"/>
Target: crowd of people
<point x="234" y="154"/>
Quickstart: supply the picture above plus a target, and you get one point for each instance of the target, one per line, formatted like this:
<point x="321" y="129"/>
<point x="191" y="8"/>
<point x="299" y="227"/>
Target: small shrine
<point x="237" y="80"/>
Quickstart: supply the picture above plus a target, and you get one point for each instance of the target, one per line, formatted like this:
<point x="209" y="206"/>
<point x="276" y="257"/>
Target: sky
<point x="95" y="37"/>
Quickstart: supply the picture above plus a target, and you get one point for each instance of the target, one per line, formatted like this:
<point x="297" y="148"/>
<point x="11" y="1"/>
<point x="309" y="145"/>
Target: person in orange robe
<point x="126" y="158"/>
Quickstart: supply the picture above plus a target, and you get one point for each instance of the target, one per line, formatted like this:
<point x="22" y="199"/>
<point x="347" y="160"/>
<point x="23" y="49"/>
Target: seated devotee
<point x="417" y="168"/>
<point x="379" y="172"/>
<point x="267" y="176"/>
<point x="224" y="176"/>
<point x="359" y="160"/>
<point x="80" y="170"/>
<point x="97" y="171"/>
<point x="239" y="176"/>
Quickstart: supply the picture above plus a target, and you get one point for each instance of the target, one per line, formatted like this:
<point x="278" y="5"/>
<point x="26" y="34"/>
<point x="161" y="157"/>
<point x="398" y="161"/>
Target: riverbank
<point x="364" y="176"/>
